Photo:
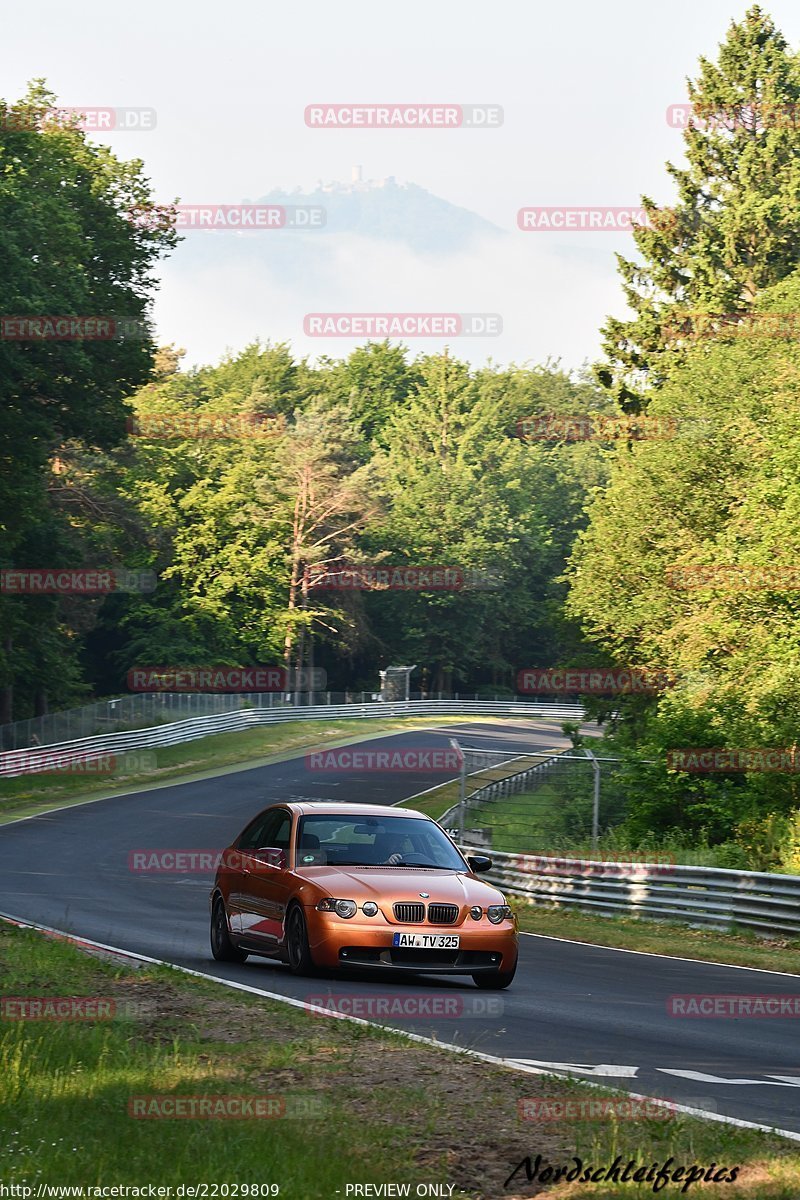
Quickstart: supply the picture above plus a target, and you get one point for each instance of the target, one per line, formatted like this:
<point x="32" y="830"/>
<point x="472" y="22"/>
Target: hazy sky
<point x="584" y="87"/>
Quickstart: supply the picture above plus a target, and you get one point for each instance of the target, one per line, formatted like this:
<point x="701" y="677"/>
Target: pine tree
<point x="736" y="226"/>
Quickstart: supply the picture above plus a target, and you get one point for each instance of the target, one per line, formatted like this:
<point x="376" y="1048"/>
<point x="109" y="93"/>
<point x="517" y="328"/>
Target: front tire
<point x="222" y="947"/>
<point x="494" y="981"/>
<point x="298" y="951"/>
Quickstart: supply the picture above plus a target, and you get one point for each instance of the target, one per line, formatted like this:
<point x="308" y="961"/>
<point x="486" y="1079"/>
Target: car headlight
<point x="498" y="912"/>
<point x="369" y="909"/>
<point x="476" y="912"/>
<point x="342" y="908"/>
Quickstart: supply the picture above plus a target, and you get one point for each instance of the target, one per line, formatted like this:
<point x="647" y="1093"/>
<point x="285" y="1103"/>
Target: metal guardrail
<point x="28" y="761"/>
<point x="140" y="710"/>
<point x="713" y="896"/>
<point x="701" y="895"/>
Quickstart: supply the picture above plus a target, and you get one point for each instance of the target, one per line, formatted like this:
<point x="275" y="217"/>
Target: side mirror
<point x="478" y="863"/>
<point x="271" y="856"/>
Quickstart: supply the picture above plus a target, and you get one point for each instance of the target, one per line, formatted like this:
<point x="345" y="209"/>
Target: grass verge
<point x="439" y="799"/>
<point x="546" y="820"/>
<point x="361" y="1105"/>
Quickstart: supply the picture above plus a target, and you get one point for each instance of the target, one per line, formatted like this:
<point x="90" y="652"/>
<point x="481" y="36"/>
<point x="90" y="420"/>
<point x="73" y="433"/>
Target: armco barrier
<point x="141" y="710"/>
<point x="712" y="896"/>
<point x="18" y="762"/>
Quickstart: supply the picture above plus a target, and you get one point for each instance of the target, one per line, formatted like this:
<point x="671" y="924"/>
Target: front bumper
<point x="339" y="943"/>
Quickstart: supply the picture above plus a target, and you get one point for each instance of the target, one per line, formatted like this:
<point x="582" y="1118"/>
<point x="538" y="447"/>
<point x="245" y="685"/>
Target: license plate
<point x="426" y="941"/>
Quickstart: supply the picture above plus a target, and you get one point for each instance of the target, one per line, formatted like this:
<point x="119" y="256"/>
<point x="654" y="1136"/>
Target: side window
<point x="267" y="830"/>
<point x="250" y="838"/>
<point x="279" y="834"/>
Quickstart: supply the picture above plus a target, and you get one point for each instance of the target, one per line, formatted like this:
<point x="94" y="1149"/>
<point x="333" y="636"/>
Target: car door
<point x="265" y="881"/>
<point x="235" y="862"/>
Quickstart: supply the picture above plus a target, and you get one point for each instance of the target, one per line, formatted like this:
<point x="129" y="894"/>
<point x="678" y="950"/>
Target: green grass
<point x="65" y="1091"/>
<point x="386" y="1110"/>
<point x="555" y="819"/>
<point x="29" y="794"/>
<point x="529" y="822"/>
<point x="441" y="798"/>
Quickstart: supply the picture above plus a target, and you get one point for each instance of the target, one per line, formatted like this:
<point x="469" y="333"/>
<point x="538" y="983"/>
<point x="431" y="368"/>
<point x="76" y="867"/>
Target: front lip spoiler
<point x="415" y="967"/>
<point x="405" y="969"/>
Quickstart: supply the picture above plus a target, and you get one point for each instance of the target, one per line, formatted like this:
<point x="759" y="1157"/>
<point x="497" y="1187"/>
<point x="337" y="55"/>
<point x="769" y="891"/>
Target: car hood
<point x="394" y="883"/>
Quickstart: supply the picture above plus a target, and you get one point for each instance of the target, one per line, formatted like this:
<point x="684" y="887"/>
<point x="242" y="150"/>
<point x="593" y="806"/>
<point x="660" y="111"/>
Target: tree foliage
<point x="735" y="226"/>
<point x="68" y="248"/>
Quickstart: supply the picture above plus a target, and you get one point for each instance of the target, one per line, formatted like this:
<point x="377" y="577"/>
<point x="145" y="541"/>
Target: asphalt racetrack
<point x="601" y="1014"/>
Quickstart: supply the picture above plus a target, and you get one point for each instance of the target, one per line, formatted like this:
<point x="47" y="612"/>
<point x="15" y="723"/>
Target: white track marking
<point x="702" y="1077"/>
<point x="604" y="1070"/>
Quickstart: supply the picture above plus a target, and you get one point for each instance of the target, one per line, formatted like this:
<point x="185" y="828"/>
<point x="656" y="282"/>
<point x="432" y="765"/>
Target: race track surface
<point x="603" y="1013"/>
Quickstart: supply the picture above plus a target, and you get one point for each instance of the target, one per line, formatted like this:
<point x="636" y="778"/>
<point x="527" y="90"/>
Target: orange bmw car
<point x="333" y="886"/>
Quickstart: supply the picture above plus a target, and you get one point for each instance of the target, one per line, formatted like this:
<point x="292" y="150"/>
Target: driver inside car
<point x="387" y="850"/>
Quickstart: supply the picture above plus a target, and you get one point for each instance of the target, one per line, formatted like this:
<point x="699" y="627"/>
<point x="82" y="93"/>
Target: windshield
<point x="349" y="841"/>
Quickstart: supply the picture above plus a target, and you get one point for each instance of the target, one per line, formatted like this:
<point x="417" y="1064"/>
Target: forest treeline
<point x="674" y="550"/>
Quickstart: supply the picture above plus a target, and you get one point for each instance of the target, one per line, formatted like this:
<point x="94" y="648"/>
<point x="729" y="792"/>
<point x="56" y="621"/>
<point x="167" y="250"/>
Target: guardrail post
<point x="462" y="789"/>
<point x="595" y="799"/>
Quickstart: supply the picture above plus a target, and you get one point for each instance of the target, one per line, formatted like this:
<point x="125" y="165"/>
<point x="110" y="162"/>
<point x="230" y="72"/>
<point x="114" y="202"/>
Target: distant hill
<point x="392" y="211"/>
<point x="399" y="219"/>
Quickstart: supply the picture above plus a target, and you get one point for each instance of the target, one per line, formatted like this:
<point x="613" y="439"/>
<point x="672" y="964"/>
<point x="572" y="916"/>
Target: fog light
<point x="476" y="913"/>
<point x="369" y="909"/>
